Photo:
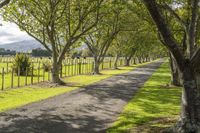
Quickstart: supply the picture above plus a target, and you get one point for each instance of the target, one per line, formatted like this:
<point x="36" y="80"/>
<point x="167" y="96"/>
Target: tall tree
<point x="56" y="24"/>
<point x="101" y="38"/>
<point x="126" y="45"/>
<point x="137" y="42"/>
<point x="188" y="60"/>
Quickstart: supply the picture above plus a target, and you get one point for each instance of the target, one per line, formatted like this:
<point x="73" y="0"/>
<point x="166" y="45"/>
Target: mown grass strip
<point x="154" y="107"/>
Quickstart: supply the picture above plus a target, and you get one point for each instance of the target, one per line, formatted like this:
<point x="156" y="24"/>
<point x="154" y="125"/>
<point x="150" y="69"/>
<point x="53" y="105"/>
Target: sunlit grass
<point x="154" y="101"/>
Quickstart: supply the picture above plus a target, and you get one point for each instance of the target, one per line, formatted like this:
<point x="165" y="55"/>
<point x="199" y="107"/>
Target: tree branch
<point x="192" y="27"/>
<point x="195" y="58"/>
<point x="162" y="26"/>
<point x="4" y="2"/>
<point x="172" y="12"/>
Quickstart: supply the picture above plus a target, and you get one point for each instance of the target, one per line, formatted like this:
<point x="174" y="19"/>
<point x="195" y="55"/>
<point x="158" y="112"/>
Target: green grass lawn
<point x="12" y="98"/>
<point x="154" y="107"/>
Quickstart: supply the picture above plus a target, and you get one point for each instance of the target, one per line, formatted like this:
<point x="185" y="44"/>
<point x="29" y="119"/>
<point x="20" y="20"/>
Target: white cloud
<point x="10" y="32"/>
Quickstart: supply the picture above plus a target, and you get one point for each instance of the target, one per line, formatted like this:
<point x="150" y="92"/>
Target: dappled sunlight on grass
<point x="152" y="101"/>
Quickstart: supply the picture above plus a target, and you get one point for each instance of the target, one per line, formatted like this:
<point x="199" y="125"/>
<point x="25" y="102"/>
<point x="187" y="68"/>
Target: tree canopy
<point x="61" y="26"/>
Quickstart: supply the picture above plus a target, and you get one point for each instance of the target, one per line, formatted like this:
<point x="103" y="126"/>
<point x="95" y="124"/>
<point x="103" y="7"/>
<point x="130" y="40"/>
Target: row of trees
<point x="61" y="26"/>
<point x="6" y="52"/>
<point x="38" y="52"/>
<point x="124" y="28"/>
<point x="177" y="22"/>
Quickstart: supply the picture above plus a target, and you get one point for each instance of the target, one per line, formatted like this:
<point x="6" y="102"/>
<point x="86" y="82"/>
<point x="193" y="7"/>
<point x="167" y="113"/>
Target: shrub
<point x="22" y="63"/>
<point x="46" y="66"/>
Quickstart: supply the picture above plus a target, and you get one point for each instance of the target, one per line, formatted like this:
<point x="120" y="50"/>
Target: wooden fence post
<point x="2" y="87"/>
<point x="32" y="74"/>
<point x="65" y="70"/>
<point x="38" y="74"/>
<point x="90" y="66"/>
<point x="83" y="66"/>
<point x="72" y="68"/>
<point x="12" y="77"/>
<point x="79" y="68"/>
<point x="49" y="74"/>
<point x="7" y="67"/>
<point x="87" y="66"/>
<point x="75" y="67"/>
<point x="92" y="70"/>
<point x="26" y="76"/>
<point x="110" y="63"/>
<point x="43" y="74"/>
<point x="68" y="69"/>
<point x="61" y="71"/>
<point x="18" y="79"/>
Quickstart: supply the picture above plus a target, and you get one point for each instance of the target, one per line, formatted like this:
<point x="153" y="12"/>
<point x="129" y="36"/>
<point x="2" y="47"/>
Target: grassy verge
<point x="12" y="98"/>
<point x="155" y="106"/>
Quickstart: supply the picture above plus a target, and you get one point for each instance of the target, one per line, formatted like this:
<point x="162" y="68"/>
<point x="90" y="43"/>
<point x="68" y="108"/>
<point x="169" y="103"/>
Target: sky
<point x="9" y="33"/>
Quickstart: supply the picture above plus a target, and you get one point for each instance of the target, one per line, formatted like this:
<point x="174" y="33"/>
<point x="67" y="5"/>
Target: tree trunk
<point x="116" y="61"/>
<point x="146" y="59"/>
<point x="134" y="61"/>
<point x="190" y="115"/>
<point x="149" y="59"/>
<point x="96" y="66"/>
<point x="127" y="61"/>
<point x="175" y="72"/>
<point x="55" y="73"/>
<point x="140" y="60"/>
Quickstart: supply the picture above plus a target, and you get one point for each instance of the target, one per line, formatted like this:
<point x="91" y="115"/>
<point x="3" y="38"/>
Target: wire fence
<point x="9" y="78"/>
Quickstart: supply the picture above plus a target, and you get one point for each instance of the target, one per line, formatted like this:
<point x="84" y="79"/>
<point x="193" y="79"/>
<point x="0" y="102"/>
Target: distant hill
<point x="22" y="46"/>
<point x="28" y="45"/>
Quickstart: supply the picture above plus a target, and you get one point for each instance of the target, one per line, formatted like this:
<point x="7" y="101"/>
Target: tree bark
<point x="116" y="61"/>
<point x="190" y="114"/>
<point x="4" y="2"/>
<point x="55" y="70"/>
<point x="175" y="72"/>
<point x="127" y="61"/>
<point x="149" y="59"/>
<point x="55" y="73"/>
<point x="134" y="61"/>
<point x="96" y="66"/>
<point x="143" y="59"/>
<point x="140" y="60"/>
